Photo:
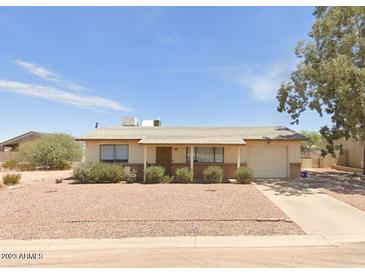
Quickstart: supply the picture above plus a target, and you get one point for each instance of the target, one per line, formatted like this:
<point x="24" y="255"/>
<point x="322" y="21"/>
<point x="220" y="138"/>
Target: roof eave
<point x="15" y="139"/>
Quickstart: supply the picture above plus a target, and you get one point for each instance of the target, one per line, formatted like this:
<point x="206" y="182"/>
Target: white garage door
<point x="268" y="161"/>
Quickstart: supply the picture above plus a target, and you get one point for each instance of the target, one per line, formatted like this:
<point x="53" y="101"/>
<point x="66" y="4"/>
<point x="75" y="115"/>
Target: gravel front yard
<point x="39" y="208"/>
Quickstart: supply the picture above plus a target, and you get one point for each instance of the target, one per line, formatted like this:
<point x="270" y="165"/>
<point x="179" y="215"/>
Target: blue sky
<point x="63" y="69"/>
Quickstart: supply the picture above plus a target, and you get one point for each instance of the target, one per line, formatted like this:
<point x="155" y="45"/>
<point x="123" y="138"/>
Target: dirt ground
<point x="40" y="208"/>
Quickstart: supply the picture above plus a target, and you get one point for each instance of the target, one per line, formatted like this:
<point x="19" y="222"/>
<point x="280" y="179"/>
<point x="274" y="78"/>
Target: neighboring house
<point x="272" y="152"/>
<point x="9" y="147"/>
<point x="352" y="154"/>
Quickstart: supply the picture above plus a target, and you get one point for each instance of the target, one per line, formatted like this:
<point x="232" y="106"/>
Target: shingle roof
<point x="192" y="135"/>
<point x="223" y="140"/>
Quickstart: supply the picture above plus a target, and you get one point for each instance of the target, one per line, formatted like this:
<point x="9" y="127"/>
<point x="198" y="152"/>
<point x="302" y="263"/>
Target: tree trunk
<point x="363" y="163"/>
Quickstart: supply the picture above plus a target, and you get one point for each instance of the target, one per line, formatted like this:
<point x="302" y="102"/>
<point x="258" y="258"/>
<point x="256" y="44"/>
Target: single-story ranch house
<point x="272" y="152"/>
<point x="9" y="148"/>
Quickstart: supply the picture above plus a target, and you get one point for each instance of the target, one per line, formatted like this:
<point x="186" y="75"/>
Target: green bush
<point x="154" y="174"/>
<point x="244" y="175"/>
<point x="98" y="173"/>
<point x="213" y="174"/>
<point x="84" y="172"/>
<point x="130" y="174"/>
<point x="183" y="175"/>
<point x="26" y="166"/>
<point x="53" y="151"/>
<point x="11" y="164"/>
<point x="11" y="179"/>
<point x="167" y="179"/>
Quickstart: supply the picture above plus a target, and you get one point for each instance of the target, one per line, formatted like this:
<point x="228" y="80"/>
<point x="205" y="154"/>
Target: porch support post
<point x="238" y="157"/>
<point x="144" y="162"/>
<point x="192" y="162"/>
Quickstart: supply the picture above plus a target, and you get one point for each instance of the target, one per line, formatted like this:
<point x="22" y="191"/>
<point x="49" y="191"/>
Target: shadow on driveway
<point x="338" y="182"/>
<point x="287" y="187"/>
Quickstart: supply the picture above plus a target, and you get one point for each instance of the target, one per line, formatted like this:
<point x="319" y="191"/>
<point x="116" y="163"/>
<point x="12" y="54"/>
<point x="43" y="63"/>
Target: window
<point x="206" y="154"/>
<point x="114" y="153"/>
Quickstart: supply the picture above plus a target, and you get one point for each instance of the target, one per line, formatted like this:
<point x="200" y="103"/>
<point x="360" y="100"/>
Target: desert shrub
<point x="64" y="166"/>
<point x="54" y="151"/>
<point x="11" y="179"/>
<point x="167" y="179"/>
<point x="154" y="174"/>
<point x="183" y="175"/>
<point x="98" y="173"/>
<point x="26" y="166"/>
<point x="130" y="174"/>
<point x="244" y="175"/>
<point x="84" y="172"/>
<point x="11" y="164"/>
<point x="108" y="173"/>
<point x="213" y="174"/>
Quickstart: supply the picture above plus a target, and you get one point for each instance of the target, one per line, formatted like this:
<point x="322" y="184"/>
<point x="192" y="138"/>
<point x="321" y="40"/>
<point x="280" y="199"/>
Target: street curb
<point x="181" y="242"/>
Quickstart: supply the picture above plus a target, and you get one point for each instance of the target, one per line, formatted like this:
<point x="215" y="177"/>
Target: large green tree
<point x="54" y="151"/>
<point x="330" y="74"/>
<point x="313" y="141"/>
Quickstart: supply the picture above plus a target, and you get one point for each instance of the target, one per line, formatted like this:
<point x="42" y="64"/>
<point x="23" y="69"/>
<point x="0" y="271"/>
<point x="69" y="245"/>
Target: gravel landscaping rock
<point x="40" y="208"/>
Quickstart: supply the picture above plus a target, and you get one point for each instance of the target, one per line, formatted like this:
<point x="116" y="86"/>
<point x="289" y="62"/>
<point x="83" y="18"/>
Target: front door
<point x="164" y="158"/>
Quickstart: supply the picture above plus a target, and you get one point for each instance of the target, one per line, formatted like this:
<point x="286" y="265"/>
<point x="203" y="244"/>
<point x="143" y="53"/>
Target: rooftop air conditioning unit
<point x="129" y="121"/>
<point x="147" y="123"/>
<point x="157" y="123"/>
<point x="151" y="123"/>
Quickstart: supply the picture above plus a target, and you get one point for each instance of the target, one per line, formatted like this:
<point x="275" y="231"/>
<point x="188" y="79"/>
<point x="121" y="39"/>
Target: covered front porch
<point x="195" y="157"/>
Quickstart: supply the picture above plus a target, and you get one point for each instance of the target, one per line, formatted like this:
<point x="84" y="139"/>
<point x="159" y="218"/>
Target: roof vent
<point x="129" y="121"/>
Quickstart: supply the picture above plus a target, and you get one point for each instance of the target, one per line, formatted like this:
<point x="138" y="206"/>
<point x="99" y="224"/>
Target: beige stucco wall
<point x="92" y="151"/>
<point x="244" y="154"/>
<point x="294" y="155"/>
<point x="353" y="153"/>
<point x="135" y="151"/>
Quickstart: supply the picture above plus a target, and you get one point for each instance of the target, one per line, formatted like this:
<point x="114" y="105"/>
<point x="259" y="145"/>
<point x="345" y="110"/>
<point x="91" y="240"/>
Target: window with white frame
<point x="114" y="153"/>
<point x="206" y="154"/>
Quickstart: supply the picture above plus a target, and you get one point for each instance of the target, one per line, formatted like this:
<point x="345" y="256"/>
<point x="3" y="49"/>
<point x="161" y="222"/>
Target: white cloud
<point x="56" y="95"/>
<point x="48" y="74"/>
<point x="264" y="83"/>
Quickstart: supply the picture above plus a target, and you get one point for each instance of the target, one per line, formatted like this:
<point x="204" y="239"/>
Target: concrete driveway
<point x="313" y="210"/>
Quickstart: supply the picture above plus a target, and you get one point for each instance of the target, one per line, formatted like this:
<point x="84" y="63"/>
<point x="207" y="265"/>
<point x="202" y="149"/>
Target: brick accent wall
<point x="228" y="168"/>
<point x="295" y="169"/>
<point x="175" y="166"/>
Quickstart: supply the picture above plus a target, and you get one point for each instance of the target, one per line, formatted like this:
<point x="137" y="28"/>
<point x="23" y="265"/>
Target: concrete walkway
<point x="314" y="211"/>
